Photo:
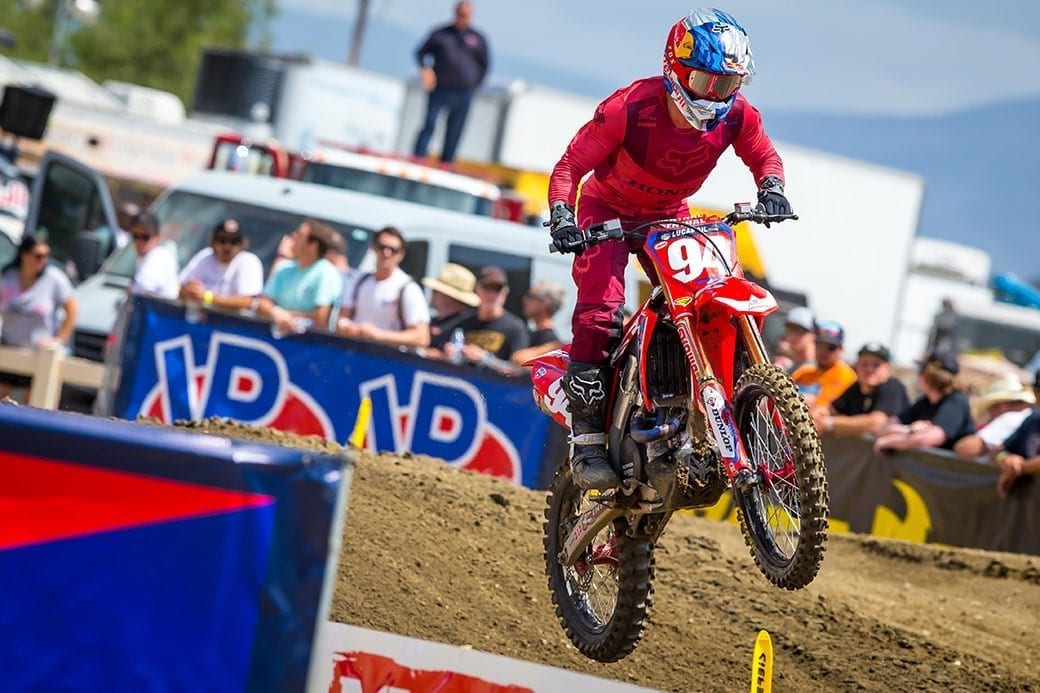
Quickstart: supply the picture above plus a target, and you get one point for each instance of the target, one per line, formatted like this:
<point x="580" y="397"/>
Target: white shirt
<point x="243" y="276"/>
<point x="156" y="273"/>
<point x="377" y="301"/>
<point x="1000" y="429"/>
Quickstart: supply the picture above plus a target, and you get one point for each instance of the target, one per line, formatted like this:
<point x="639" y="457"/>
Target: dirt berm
<point x="454" y="557"/>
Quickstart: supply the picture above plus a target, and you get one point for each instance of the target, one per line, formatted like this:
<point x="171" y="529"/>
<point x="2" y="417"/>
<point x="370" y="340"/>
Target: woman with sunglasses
<point x="649" y="146"/>
<point x="225" y="275"/>
<point x="31" y="292"/>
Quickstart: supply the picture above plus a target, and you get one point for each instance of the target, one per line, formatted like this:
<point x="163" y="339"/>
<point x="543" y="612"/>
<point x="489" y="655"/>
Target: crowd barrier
<point x="50" y="368"/>
<point x="139" y="558"/>
<point x="222" y="365"/>
<point x="923" y="496"/>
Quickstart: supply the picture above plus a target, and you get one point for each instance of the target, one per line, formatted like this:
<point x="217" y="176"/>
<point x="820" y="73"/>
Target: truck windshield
<point x="187" y="219"/>
<point x="398" y="188"/>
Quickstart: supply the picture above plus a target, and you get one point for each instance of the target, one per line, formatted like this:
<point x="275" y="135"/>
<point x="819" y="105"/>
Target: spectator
<point x="387" y="306"/>
<point x="452" y="63"/>
<point x="308" y="285"/>
<point x="797" y="346"/>
<point x="337" y="255"/>
<point x="156" y="272"/>
<point x="125" y="213"/>
<point x="939" y="418"/>
<point x="492" y="333"/>
<point x="822" y="382"/>
<point x="999" y="411"/>
<point x="224" y="275"/>
<point x="868" y="403"/>
<point x="452" y="299"/>
<point x="1020" y="453"/>
<point x="31" y="291"/>
<point x="541" y="303"/>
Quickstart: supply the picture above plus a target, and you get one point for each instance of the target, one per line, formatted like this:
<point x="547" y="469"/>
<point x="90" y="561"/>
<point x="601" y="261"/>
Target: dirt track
<point x="454" y="557"/>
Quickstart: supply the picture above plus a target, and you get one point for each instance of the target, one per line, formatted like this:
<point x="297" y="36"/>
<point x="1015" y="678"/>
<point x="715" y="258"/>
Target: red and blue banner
<point x="139" y="558"/>
<point x="313" y="383"/>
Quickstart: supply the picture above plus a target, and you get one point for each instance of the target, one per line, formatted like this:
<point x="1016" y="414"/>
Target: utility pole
<point x="359" y="33"/>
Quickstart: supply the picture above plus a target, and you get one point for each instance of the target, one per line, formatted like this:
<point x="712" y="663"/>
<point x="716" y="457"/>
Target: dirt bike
<point x="694" y="408"/>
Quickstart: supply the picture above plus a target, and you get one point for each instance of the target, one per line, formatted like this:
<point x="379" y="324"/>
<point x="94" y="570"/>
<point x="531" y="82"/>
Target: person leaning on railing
<point x="31" y="291"/>
<point x="1019" y="455"/>
<point x="225" y="275"/>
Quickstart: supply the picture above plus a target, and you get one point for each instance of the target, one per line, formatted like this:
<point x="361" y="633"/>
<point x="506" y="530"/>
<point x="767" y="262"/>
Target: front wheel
<point x="783" y="513"/>
<point x="602" y="600"/>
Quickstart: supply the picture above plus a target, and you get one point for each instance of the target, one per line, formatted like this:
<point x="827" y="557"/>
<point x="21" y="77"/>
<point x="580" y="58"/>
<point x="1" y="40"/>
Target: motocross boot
<point x="586" y="388"/>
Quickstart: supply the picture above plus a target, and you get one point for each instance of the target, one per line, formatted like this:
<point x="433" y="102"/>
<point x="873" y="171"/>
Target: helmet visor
<point x="712" y="85"/>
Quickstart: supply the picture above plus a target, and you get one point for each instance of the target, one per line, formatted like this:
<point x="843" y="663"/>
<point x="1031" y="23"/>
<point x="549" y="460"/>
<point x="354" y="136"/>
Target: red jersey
<point x="643" y="165"/>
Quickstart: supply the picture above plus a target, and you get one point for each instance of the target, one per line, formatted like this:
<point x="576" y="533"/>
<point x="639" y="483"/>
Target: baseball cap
<point x="493" y="275"/>
<point x="877" y="349"/>
<point x="830" y="332"/>
<point x="943" y="359"/>
<point x="548" y="291"/>
<point x="455" y="281"/>
<point x="802" y="317"/>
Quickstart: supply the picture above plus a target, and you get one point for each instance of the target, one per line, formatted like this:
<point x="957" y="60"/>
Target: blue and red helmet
<point x="706" y="60"/>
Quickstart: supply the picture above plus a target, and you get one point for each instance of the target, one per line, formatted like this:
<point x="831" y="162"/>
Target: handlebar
<point x="612" y="229"/>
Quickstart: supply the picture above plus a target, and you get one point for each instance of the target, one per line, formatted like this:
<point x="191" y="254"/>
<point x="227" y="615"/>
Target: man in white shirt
<point x="387" y="306"/>
<point x="224" y="275"/>
<point x="156" y="272"/>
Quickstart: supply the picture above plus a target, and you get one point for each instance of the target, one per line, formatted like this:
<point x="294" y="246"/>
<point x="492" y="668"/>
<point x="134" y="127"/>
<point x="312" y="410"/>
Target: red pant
<point x="599" y="275"/>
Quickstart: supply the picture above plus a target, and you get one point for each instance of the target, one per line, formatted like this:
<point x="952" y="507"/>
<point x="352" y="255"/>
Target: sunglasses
<point x="492" y="287"/>
<point x="827" y="346"/>
<point x="228" y="240"/>
<point x="144" y="238"/>
<point x="41" y="256"/>
<point x="384" y="248"/>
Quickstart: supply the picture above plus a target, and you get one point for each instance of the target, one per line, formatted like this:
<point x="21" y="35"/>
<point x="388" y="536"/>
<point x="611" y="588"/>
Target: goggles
<point x="712" y="85"/>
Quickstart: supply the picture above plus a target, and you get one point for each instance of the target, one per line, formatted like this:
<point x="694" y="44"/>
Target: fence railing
<point x="49" y="369"/>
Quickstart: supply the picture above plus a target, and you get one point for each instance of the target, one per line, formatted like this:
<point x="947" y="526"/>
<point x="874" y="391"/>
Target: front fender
<point x="736" y="296"/>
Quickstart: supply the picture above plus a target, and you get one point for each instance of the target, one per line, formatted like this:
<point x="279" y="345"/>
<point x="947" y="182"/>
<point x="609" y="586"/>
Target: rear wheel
<point x="603" y="600"/>
<point x="783" y="515"/>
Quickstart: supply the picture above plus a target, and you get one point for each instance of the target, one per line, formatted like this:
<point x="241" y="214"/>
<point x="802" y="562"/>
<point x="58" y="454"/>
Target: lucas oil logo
<point x="248" y="380"/>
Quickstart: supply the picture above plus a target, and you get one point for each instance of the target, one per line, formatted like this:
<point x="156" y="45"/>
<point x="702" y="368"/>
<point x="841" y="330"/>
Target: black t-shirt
<point x="1025" y="441"/>
<point x="952" y="414"/>
<point x="888" y="397"/>
<point x="543" y="336"/>
<point x="501" y="336"/>
<point x="441" y="328"/>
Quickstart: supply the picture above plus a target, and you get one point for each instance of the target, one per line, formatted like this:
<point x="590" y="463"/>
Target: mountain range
<point x="981" y="166"/>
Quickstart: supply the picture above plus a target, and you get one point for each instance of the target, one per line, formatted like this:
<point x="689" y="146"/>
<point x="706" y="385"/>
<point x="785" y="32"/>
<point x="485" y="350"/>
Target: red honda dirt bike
<point x="694" y="408"/>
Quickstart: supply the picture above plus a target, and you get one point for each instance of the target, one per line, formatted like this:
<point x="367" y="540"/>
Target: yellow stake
<point x="357" y="437"/>
<point x="762" y="664"/>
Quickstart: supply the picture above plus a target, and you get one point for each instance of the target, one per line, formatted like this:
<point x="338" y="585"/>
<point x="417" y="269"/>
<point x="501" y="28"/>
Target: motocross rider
<point x="649" y="146"/>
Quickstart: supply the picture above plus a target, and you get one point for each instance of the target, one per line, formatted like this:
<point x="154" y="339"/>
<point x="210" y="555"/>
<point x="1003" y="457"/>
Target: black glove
<point x="771" y="199"/>
<point x="563" y="228"/>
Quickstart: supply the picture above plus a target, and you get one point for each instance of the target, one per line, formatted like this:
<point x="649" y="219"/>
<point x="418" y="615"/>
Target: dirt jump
<point x="454" y="557"/>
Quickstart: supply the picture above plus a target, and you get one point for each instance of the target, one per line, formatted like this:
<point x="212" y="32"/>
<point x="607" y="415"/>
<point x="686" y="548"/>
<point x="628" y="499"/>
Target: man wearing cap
<point x="867" y="404"/>
<point x="797" y="347"/>
<point x="491" y="331"/>
<point x="452" y="299"/>
<point x="823" y="381"/>
<point x="1019" y="455"/>
<point x="225" y="275"/>
<point x="541" y="304"/>
<point x="941" y="415"/>
<point x="999" y="411"/>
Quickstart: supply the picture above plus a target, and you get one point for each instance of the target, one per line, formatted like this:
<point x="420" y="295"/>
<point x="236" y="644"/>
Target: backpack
<point x="400" y="296"/>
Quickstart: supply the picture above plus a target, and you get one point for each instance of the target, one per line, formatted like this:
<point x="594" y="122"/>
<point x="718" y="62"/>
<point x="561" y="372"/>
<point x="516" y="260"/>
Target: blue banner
<point x="312" y="384"/>
<point x="137" y="558"/>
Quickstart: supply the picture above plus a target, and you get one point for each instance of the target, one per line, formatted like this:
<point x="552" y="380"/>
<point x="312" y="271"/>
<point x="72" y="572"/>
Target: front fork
<point x="713" y="401"/>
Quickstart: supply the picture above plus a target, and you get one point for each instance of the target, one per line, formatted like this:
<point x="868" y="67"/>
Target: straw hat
<point x="1007" y="388"/>
<point x="455" y="281"/>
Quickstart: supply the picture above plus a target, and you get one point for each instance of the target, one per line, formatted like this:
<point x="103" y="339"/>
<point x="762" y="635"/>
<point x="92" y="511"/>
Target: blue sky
<point x="841" y="56"/>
